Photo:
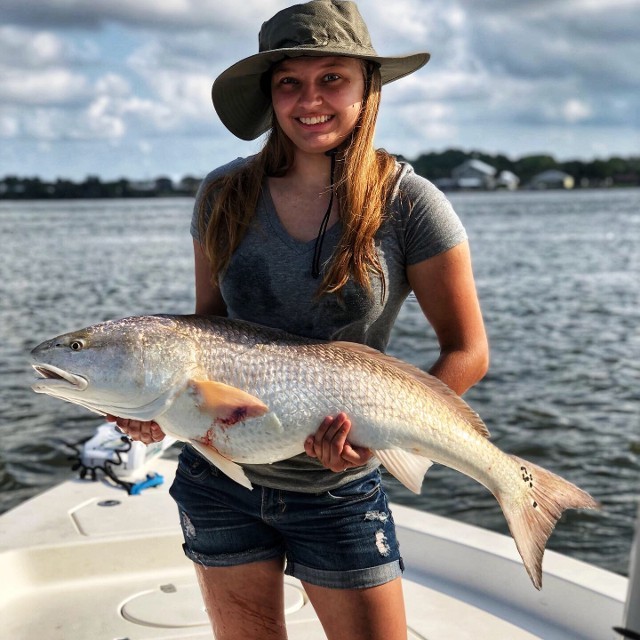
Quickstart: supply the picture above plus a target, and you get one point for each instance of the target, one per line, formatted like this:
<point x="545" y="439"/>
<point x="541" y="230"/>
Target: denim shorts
<point x="342" y="539"/>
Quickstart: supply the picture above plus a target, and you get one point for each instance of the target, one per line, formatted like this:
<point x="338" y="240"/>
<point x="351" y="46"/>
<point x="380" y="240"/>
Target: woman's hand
<point x="329" y="445"/>
<point x="146" y="432"/>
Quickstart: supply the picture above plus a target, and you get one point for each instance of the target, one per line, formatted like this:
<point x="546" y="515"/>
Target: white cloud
<point x="178" y="75"/>
<point x="112" y="84"/>
<point x="46" y="48"/>
<point x="145" y="147"/>
<point x="575" y="110"/>
<point x="9" y="126"/>
<point x="451" y="85"/>
<point x="38" y="68"/>
<point x="103" y="120"/>
<point x="27" y="48"/>
<point x="47" y="87"/>
<point x="41" y="125"/>
<point x="401" y="21"/>
<point x="149" y="14"/>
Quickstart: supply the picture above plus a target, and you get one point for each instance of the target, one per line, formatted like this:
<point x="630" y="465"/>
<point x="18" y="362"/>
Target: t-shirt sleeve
<point x="202" y="190"/>
<point x="430" y="224"/>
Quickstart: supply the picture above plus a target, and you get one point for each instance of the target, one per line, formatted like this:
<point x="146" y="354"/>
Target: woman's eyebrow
<point x="284" y="68"/>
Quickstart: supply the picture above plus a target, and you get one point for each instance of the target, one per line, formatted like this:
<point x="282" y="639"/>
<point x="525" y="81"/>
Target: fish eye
<point x="76" y="345"/>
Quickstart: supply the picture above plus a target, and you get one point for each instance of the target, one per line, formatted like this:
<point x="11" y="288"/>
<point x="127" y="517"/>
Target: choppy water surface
<point x="558" y="276"/>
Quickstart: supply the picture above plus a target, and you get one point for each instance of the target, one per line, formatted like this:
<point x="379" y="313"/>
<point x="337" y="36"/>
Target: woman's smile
<point x="314" y="120"/>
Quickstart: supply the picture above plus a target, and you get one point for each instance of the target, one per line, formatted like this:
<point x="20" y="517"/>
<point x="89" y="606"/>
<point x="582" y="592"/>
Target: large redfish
<point x="240" y="393"/>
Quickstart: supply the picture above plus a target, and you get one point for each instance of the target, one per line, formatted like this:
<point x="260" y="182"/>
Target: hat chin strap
<point x="315" y="266"/>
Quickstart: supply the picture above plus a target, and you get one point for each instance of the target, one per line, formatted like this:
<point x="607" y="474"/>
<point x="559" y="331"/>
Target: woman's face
<point x="317" y="101"/>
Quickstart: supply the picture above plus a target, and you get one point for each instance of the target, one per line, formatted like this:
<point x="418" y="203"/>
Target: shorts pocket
<point x="359" y="490"/>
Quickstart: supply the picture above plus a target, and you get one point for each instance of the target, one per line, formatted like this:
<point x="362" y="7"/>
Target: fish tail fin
<point x="533" y="513"/>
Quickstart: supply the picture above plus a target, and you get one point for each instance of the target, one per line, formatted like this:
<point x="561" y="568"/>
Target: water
<point x="558" y="276"/>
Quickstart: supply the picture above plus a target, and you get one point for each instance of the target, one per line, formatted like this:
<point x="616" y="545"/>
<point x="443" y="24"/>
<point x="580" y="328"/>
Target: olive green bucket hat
<point x="316" y="28"/>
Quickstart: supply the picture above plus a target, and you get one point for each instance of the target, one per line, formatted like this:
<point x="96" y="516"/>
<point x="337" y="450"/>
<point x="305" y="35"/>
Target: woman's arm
<point x="446" y="292"/>
<point x="209" y="300"/>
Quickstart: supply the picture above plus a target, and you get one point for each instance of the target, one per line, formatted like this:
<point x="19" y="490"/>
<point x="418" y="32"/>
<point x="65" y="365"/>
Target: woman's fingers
<point x="329" y="445"/>
<point x="332" y="442"/>
<point x="356" y="456"/>
<point x="142" y="431"/>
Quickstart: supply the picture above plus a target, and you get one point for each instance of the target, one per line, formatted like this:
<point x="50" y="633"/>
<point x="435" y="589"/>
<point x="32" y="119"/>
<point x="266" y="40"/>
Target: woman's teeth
<point x="315" y="119"/>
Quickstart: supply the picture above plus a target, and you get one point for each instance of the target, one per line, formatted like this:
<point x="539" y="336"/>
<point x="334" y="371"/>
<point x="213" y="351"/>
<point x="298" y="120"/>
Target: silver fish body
<point x="241" y="393"/>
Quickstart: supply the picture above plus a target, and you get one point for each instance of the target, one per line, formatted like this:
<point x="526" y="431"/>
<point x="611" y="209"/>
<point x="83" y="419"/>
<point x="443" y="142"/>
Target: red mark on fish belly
<point x="239" y="414"/>
<point x="220" y="425"/>
<point x="208" y="438"/>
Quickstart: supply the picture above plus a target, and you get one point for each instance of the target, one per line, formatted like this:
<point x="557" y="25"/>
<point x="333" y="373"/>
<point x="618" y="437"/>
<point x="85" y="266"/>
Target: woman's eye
<point x="330" y="77"/>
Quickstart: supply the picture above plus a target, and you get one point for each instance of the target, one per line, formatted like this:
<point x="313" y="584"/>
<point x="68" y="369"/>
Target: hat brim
<point x="246" y="111"/>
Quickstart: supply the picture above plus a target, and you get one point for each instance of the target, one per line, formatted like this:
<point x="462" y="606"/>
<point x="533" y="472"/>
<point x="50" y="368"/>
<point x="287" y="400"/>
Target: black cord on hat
<point x="315" y="267"/>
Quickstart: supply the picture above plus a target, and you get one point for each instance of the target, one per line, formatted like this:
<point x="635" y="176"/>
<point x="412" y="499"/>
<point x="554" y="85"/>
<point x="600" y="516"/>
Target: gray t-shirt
<point x="269" y="282"/>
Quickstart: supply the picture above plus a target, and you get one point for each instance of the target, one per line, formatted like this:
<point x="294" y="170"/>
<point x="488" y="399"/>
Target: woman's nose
<point x="309" y="95"/>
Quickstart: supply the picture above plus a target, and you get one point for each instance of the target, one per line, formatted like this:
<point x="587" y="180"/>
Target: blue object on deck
<point x="153" y="480"/>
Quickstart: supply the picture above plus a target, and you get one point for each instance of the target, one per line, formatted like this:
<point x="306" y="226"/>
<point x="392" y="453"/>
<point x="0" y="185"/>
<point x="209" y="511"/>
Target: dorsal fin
<point x="433" y="384"/>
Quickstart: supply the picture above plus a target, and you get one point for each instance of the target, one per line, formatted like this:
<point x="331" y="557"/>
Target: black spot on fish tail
<point x="527" y="477"/>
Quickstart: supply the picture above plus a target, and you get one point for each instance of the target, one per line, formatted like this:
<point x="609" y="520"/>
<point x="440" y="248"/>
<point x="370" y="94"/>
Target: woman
<point x="323" y="236"/>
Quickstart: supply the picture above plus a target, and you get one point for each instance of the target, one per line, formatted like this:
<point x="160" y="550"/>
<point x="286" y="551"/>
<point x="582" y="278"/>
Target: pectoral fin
<point x="228" y="467"/>
<point x="407" y="467"/>
<point x="226" y="404"/>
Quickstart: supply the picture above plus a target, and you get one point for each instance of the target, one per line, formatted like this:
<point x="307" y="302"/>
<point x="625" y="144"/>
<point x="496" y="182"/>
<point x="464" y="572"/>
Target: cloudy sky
<point x="121" y="88"/>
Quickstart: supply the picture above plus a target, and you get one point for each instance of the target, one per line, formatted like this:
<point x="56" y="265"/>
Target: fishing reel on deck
<point x="118" y="458"/>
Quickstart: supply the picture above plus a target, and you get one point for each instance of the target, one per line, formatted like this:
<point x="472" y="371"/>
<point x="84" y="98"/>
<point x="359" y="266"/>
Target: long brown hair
<point x="363" y="182"/>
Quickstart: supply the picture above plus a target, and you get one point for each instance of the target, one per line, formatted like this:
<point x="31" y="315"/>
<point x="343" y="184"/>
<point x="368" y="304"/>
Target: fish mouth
<point x="56" y="377"/>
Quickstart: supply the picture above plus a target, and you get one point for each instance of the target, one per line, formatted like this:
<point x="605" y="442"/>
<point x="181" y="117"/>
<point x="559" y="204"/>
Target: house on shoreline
<point x="552" y="179"/>
<point x="476" y="175"/>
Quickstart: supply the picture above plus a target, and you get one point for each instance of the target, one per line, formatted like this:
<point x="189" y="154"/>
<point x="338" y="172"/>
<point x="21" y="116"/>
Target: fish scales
<point x="337" y="381"/>
<point x="240" y="393"/>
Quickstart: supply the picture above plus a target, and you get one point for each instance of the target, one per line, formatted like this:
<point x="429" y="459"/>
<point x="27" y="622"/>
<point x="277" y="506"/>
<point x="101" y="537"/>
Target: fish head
<point x="130" y="368"/>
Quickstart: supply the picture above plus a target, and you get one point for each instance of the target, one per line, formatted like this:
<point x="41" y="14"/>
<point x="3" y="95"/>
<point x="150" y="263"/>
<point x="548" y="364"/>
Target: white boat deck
<point x="85" y="561"/>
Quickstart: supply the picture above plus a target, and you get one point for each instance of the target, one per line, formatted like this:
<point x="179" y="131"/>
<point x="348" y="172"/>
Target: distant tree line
<point x="596" y="173"/>
<point x="15" y="188"/>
